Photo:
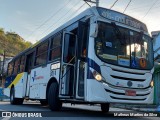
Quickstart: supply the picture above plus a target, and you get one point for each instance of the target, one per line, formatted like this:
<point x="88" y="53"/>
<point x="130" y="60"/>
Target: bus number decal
<point x="55" y="66"/>
<point x="53" y="69"/>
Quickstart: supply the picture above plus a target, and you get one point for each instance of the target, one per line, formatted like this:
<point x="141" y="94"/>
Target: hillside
<point x="12" y="43"/>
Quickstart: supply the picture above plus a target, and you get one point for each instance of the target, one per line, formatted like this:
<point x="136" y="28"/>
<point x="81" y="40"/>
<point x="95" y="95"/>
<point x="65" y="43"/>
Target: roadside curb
<point x="150" y="108"/>
<point x="4" y="99"/>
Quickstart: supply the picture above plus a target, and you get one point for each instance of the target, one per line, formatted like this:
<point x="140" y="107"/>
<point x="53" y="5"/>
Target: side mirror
<point x="94" y="30"/>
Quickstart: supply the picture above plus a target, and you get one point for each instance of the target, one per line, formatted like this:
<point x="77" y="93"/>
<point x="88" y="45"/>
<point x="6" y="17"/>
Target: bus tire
<point x="13" y="100"/>
<point x="53" y="101"/>
<point x="19" y="101"/>
<point x="105" y="107"/>
<point x="43" y="102"/>
<point x="12" y="96"/>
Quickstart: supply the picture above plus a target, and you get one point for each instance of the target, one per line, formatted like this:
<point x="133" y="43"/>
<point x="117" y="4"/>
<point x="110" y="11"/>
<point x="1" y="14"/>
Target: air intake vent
<point x="128" y="98"/>
<point x="117" y="93"/>
<point x="124" y="78"/>
<point x="128" y="72"/>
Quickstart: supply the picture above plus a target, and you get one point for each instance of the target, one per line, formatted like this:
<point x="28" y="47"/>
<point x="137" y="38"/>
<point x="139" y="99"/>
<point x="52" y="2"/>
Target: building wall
<point x="156" y="78"/>
<point x="156" y="47"/>
<point x="7" y="60"/>
<point x="155" y="34"/>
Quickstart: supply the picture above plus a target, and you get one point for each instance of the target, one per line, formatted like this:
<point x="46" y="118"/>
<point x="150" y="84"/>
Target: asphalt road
<point x="68" y="112"/>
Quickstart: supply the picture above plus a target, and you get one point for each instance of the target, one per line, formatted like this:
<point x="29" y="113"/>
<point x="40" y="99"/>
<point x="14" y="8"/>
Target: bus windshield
<point x="124" y="47"/>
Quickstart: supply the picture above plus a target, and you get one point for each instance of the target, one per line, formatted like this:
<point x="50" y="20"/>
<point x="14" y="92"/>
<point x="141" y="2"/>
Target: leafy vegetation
<point x="157" y="70"/>
<point x="12" y="43"/>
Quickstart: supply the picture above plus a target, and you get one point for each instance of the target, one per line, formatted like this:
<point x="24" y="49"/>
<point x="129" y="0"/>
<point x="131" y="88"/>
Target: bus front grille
<point x="128" y="75"/>
<point x="124" y="78"/>
<point x="140" y="99"/>
<point x="124" y="71"/>
<point x="119" y="93"/>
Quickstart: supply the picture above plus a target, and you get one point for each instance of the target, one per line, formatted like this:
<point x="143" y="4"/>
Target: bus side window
<point x="55" y="49"/>
<point x="10" y="68"/>
<point x="41" y="54"/>
<point x="16" y="65"/>
<point x="21" y="67"/>
<point x="29" y="62"/>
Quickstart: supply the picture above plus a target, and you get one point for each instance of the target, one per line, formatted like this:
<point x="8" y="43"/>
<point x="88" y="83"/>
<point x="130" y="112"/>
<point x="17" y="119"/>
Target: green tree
<point x="12" y="43"/>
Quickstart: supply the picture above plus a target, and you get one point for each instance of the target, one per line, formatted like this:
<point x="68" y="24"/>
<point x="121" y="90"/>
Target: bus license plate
<point x="130" y="93"/>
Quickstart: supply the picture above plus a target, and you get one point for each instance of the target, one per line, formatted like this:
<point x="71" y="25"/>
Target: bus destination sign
<point x="122" y="18"/>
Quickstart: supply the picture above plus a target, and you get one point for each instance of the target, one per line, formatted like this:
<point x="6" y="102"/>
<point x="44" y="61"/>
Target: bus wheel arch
<point x="52" y="93"/>
<point x="52" y="80"/>
<point x="13" y="99"/>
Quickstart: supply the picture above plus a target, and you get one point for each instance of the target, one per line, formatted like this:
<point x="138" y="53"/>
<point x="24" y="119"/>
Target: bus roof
<point x="100" y="12"/>
<point x="121" y="18"/>
<point x="103" y="12"/>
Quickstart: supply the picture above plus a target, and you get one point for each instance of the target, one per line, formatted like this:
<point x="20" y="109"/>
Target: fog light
<point x="97" y="76"/>
<point x="152" y="83"/>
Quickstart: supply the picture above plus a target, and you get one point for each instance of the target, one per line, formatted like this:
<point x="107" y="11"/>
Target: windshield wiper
<point x="118" y="33"/>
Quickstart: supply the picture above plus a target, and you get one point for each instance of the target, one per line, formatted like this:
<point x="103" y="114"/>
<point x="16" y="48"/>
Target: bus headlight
<point x="97" y="76"/>
<point x="152" y="83"/>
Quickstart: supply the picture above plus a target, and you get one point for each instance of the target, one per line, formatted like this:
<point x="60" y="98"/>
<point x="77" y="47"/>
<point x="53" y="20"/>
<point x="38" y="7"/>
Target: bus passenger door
<point x="67" y="75"/>
<point x="29" y="62"/>
<point x="82" y="48"/>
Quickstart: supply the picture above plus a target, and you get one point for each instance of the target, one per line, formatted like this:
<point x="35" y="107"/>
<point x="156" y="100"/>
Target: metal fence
<point x="156" y="78"/>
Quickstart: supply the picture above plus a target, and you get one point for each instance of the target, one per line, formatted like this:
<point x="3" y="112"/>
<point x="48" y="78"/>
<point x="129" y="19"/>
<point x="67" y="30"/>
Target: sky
<point x="34" y="19"/>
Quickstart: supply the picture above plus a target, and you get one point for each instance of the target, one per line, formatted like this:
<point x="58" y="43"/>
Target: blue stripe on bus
<point x="93" y="65"/>
<point x="9" y="80"/>
<point x="89" y="74"/>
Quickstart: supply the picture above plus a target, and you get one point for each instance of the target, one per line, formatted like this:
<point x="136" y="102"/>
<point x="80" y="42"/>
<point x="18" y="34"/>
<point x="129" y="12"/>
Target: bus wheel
<point x="105" y="107"/>
<point x="53" y="101"/>
<point x="19" y="101"/>
<point x="43" y="102"/>
<point x="14" y="100"/>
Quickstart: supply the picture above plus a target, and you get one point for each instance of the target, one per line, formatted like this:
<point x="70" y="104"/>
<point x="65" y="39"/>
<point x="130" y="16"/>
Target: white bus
<point x="99" y="57"/>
